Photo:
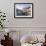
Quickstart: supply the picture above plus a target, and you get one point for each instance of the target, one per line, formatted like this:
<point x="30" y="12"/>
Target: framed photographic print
<point x="23" y="10"/>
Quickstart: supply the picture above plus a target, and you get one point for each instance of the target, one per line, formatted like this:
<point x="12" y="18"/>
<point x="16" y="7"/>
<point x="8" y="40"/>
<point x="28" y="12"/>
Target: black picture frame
<point x="23" y="10"/>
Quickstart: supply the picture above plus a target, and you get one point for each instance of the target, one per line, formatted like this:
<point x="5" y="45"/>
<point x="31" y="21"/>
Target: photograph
<point x="23" y="9"/>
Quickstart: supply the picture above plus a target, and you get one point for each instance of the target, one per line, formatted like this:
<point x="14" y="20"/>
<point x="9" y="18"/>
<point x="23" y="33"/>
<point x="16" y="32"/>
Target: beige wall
<point x="25" y="25"/>
<point x="18" y="35"/>
<point x="39" y="9"/>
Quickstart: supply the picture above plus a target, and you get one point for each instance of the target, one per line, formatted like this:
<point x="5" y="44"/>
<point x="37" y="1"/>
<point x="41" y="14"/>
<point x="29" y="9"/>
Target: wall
<point x="17" y="35"/>
<point x="39" y="13"/>
<point x="25" y="25"/>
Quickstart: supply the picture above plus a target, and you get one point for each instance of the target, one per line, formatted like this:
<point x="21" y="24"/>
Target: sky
<point x="21" y="6"/>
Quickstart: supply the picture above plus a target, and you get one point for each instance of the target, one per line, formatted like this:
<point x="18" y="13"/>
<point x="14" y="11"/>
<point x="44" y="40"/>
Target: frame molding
<point x="23" y="17"/>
